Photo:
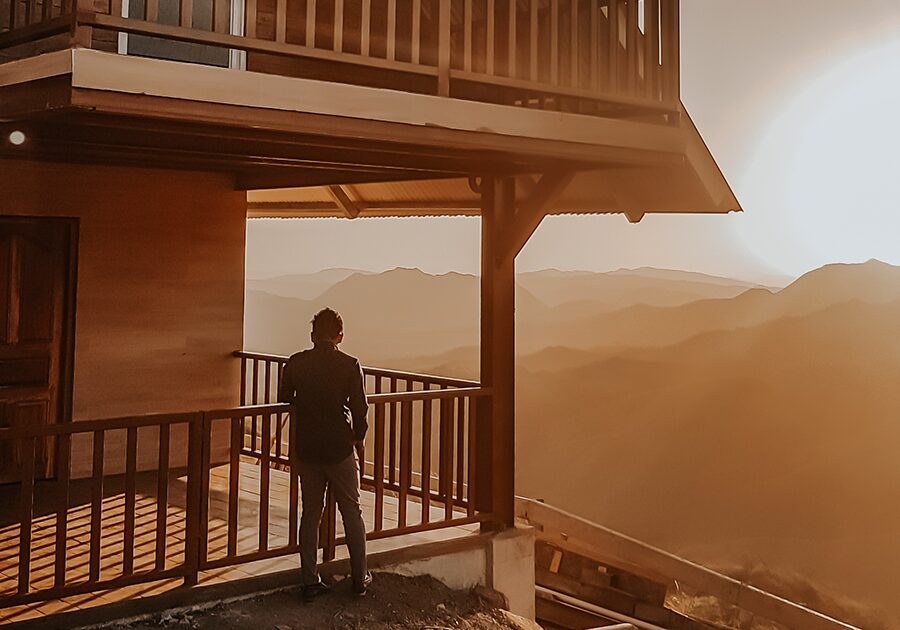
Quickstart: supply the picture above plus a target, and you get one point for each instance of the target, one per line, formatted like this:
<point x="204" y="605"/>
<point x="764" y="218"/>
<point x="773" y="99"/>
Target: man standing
<point x="327" y="389"/>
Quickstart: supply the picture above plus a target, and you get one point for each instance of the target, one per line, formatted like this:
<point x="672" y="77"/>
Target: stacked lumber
<point x="603" y="585"/>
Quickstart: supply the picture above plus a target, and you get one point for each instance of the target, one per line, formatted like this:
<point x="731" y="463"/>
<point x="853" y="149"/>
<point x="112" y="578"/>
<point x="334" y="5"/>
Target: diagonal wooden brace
<point x="343" y="201"/>
<point x="532" y="211"/>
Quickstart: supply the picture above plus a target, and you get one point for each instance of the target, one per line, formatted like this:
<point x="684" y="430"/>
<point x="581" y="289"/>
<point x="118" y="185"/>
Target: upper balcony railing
<point x="600" y="57"/>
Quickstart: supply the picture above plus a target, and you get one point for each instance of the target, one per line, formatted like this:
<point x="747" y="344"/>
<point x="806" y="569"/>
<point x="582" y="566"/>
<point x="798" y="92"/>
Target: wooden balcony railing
<point x="602" y="57"/>
<point x="422" y="441"/>
<point x="170" y="496"/>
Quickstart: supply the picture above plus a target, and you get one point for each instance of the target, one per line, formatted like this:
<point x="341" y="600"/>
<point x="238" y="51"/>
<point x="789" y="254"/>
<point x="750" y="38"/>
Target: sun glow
<point x="824" y="184"/>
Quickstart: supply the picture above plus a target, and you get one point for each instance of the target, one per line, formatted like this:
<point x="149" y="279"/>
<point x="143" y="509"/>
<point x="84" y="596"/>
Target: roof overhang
<point x="305" y="137"/>
<point x="693" y="184"/>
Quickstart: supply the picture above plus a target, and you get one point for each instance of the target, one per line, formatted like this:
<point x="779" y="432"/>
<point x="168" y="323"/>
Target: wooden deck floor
<point x="112" y="518"/>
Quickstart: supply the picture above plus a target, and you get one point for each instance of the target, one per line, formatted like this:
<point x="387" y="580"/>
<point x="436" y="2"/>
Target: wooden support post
<point x="495" y="424"/>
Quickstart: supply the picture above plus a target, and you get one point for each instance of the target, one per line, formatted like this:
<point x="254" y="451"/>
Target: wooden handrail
<point x="429" y="394"/>
<point x="371" y="371"/>
<point x="568" y="531"/>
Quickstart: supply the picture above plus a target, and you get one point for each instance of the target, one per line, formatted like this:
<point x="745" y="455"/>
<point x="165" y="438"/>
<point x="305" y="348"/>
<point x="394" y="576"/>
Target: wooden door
<point x="36" y="311"/>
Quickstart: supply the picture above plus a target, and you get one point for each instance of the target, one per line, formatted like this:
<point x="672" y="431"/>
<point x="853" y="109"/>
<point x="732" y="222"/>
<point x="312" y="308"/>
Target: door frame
<point x="65" y="371"/>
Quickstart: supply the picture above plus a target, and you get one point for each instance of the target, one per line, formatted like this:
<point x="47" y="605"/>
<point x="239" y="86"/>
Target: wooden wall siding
<point x="160" y="287"/>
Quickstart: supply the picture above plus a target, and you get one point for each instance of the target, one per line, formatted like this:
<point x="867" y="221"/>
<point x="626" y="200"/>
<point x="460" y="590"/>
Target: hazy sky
<point x="798" y="101"/>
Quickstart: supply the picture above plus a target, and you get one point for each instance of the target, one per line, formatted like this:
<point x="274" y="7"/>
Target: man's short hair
<point x="326" y="325"/>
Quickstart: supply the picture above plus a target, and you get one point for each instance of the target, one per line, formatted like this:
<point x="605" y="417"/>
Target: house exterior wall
<point x="160" y="286"/>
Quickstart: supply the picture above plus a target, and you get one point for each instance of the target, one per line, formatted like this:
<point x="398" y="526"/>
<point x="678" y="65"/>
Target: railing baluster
<point x="378" y="473"/>
<point x="264" y="472"/>
<point x="554" y="41"/>
<point x="392" y="437"/>
<point x="460" y="448"/>
<point x="446" y="449"/>
<point x="631" y="40"/>
<point x="471" y="486"/>
<point x="391" y="53"/>
<point x="243" y="381"/>
<point x="573" y="44"/>
<point x="651" y="48"/>
<point x="205" y="439"/>
<point x="234" y="481"/>
<point x="426" y="460"/>
<point x="405" y="459"/>
<point x="670" y="51"/>
<point x="162" y="497"/>
<point x="185" y="13"/>
<point x="533" y="40"/>
<point x="416" y="43"/>
<point x="467" y="35"/>
<point x="26" y="513"/>
<point x="338" y="25"/>
<point x="443" y="52"/>
<point x="595" y="46"/>
<point x="250" y="27"/>
<point x="196" y="513"/>
<point x="511" y="49"/>
<point x="254" y="400"/>
<point x="130" y="470"/>
<point x="64" y="452"/>
<point x="96" y="506"/>
<point x="310" y="23"/>
<point x="365" y="27"/>
<point x="614" y="44"/>
<point x="489" y="44"/>
<point x="293" y="531"/>
<point x="13" y="17"/>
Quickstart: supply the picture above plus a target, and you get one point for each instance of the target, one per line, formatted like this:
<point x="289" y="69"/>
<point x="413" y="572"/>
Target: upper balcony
<point x="301" y="93"/>
<point x="610" y="58"/>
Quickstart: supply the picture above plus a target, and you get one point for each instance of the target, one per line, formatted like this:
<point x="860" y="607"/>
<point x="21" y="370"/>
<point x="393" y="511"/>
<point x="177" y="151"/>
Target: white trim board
<point x="96" y="70"/>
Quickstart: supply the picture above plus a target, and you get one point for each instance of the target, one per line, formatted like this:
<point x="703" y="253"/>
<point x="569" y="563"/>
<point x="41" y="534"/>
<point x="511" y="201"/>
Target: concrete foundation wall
<point x="503" y="561"/>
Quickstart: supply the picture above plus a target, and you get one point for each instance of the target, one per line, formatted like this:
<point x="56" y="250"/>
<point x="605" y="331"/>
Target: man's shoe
<point x="361" y="588"/>
<point x="311" y="591"/>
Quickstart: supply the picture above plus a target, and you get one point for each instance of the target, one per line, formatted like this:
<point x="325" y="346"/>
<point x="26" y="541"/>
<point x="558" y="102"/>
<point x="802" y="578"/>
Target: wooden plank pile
<point x="603" y="585"/>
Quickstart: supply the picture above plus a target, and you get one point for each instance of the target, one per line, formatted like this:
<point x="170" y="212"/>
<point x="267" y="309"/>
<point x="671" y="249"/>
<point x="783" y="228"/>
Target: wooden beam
<point x="343" y="200"/>
<point x="495" y="424"/>
<point x="530" y="214"/>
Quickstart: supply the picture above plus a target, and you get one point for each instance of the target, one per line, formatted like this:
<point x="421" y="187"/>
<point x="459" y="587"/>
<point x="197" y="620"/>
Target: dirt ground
<point x="393" y="602"/>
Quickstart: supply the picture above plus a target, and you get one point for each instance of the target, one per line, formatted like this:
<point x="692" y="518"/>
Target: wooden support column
<point x="495" y="422"/>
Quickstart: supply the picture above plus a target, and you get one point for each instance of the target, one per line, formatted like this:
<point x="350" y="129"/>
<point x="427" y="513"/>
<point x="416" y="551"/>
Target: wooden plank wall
<point x="160" y="289"/>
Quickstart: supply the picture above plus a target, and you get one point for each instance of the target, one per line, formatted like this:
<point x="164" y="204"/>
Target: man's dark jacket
<point x="327" y="389"/>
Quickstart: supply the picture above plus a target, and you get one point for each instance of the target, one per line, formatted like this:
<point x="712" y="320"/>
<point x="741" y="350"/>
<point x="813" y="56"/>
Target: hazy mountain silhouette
<point x="625" y="287"/>
<point x="406" y="312"/>
<point x="306" y="286"/>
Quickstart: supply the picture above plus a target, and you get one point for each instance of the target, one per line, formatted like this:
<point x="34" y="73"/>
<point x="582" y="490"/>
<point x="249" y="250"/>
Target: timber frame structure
<point x="137" y="114"/>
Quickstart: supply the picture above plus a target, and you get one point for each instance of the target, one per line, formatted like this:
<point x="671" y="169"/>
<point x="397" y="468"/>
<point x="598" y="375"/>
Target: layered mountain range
<point x="752" y="428"/>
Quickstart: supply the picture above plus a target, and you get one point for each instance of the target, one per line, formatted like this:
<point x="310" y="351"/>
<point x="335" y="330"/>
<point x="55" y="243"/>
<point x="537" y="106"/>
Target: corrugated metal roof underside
<point x="694" y="185"/>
